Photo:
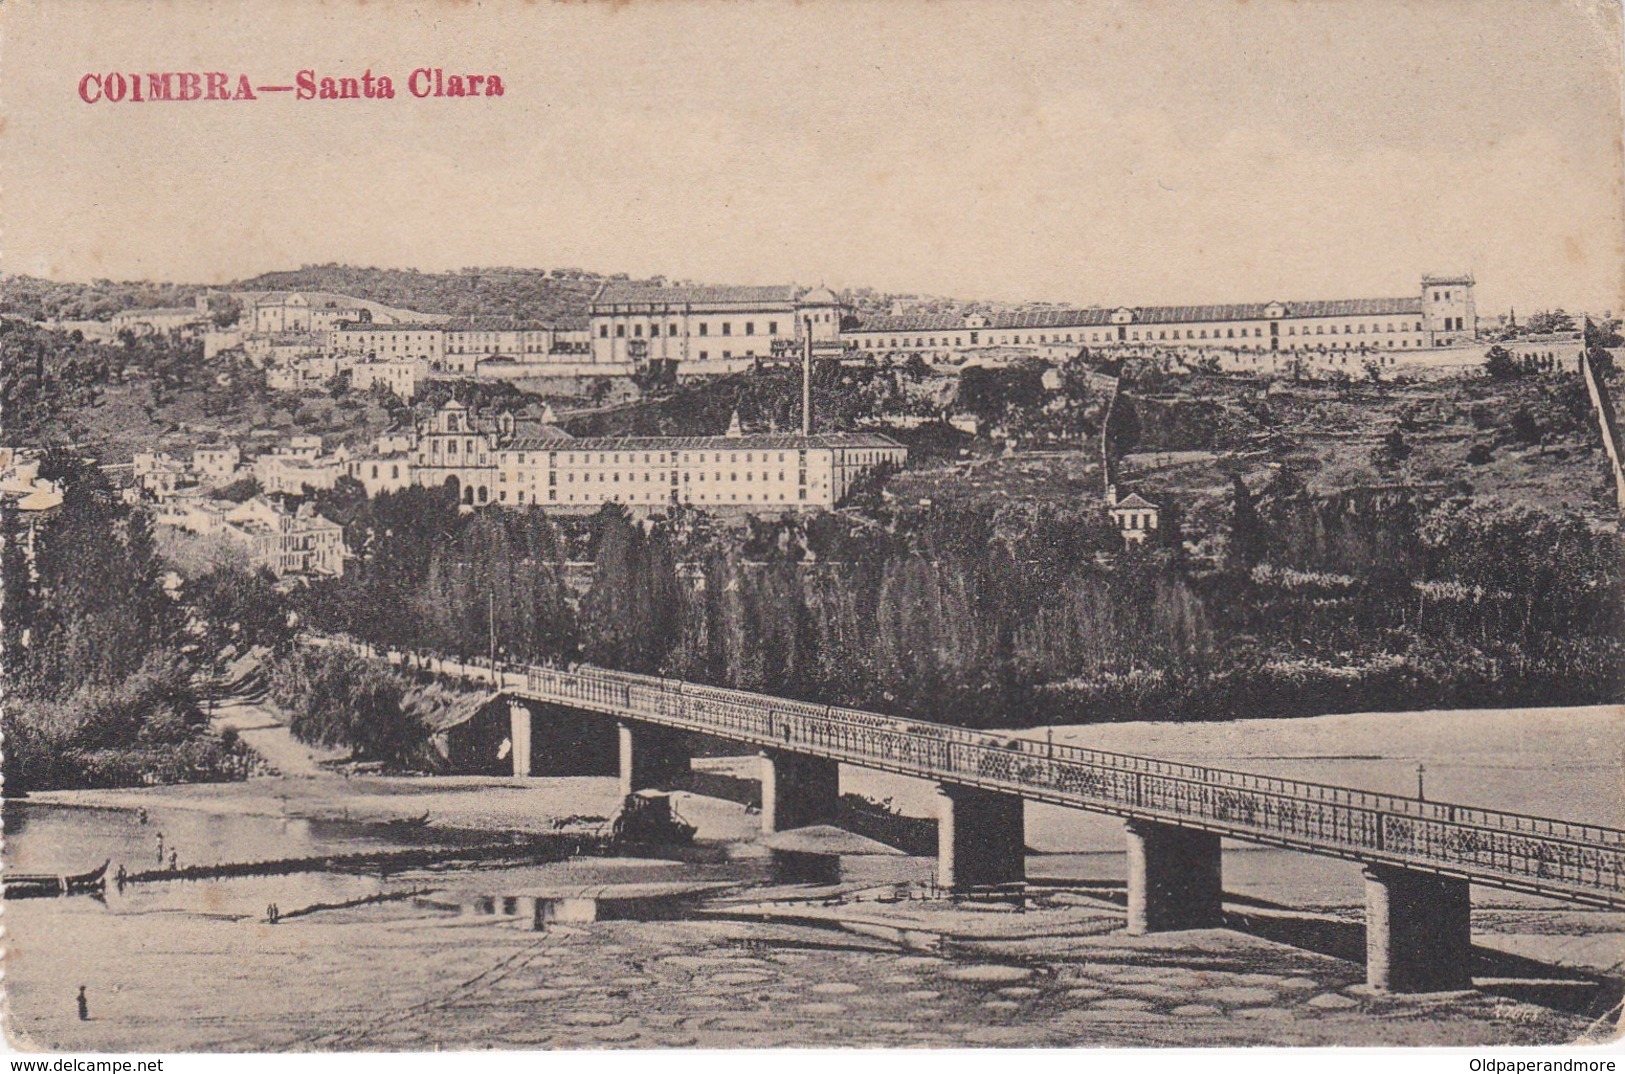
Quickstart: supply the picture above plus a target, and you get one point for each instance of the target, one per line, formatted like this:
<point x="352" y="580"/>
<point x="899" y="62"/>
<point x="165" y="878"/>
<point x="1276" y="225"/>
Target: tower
<point x="1449" y="314"/>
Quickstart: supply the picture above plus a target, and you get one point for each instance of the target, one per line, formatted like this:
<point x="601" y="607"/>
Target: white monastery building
<point x="721" y="329"/>
<point x="487" y="464"/>
<point x="1442" y="314"/>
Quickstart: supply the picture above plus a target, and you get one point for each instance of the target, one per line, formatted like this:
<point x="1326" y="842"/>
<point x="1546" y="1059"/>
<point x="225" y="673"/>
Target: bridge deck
<point x="1561" y="859"/>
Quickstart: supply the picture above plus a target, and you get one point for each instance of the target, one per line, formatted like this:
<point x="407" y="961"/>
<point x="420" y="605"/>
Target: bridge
<point x="1420" y="857"/>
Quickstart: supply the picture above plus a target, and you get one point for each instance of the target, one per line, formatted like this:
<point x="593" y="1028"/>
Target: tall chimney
<point x="806" y="382"/>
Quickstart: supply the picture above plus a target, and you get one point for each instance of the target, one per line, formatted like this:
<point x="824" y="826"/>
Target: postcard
<point x="843" y="524"/>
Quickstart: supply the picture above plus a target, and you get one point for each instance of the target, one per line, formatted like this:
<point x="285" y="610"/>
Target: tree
<point x="1392" y="451"/>
<point x="1524" y="428"/>
<point x="224" y="310"/>
<point x="1545" y="321"/>
<point x="98" y="606"/>
<point x="239" y="491"/>
<point x="1499" y="363"/>
<point x="1248" y="537"/>
<point x="335" y="698"/>
<point x="631" y="615"/>
<point x="238" y="608"/>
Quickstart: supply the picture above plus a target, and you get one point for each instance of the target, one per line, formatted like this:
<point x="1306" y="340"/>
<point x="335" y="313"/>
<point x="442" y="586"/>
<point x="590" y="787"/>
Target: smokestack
<point x="806" y="382"/>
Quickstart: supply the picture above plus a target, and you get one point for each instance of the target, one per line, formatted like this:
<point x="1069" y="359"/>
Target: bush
<point x="336" y="698"/>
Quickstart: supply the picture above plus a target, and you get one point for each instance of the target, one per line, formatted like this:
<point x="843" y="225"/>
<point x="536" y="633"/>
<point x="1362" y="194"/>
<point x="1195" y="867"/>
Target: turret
<point x="1449" y="314"/>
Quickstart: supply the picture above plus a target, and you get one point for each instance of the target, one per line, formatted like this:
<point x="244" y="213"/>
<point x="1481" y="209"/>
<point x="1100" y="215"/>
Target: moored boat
<point x="43" y="885"/>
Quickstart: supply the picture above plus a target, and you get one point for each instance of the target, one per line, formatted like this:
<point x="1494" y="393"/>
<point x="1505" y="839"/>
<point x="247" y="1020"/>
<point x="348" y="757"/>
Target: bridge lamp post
<point x="1421" y="796"/>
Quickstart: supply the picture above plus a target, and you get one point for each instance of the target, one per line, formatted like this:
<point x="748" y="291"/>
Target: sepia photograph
<point x="840" y="524"/>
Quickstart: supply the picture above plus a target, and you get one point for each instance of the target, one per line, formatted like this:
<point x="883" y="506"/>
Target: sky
<point x="1138" y="153"/>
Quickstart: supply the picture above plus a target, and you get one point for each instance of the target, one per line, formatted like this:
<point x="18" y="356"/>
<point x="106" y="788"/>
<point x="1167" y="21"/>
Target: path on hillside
<point x="264" y="730"/>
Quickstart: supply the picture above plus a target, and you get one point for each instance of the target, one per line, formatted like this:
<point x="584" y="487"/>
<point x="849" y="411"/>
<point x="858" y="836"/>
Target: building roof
<point x="927" y="322"/>
<point x="496" y="323"/>
<point x="165" y="311"/>
<point x="375" y="326"/>
<point x="1135" y="500"/>
<point x="748" y="442"/>
<point x="1009" y="320"/>
<point x="642" y="294"/>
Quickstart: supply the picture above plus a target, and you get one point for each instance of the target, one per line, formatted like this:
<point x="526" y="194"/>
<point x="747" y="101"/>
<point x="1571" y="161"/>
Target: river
<point x="766" y="951"/>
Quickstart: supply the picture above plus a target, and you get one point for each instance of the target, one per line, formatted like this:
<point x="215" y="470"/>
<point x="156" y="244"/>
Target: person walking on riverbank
<point x="84" y="1005"/>
<point x="173" y="855"/>
<point x="160" y="850"/>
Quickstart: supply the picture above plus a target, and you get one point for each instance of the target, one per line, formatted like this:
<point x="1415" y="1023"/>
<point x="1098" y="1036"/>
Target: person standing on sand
<point x="84" y="1005"/>
<point x="172" y="856"/>
<point x="160" y="849"/>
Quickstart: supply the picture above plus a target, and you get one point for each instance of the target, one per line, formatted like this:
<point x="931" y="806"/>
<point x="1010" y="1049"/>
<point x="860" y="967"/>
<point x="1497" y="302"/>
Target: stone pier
<point x="798" y="790"/>
<point x="981" y="838"/>
<point x="652" y="757"/>
<point x="546" y="740"/>
<point x="519" y="728"/>
<point x="1175" y="878"/>
<point x="1418" y="931"/>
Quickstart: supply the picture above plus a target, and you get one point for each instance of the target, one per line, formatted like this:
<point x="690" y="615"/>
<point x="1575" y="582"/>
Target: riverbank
<point x="778" y="949"/>
<point x="764" y="965"/>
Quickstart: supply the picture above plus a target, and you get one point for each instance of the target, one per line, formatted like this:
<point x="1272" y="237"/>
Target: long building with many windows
<point x="1442" y="314"/>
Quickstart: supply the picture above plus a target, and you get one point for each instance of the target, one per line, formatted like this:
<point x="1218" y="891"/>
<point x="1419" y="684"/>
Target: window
<point x="773" y="328"/>
<point x="750" y="328"/>
<point x="620" y="331"/>
<point x="727" y="328"/>
<point x="705" y="328"/>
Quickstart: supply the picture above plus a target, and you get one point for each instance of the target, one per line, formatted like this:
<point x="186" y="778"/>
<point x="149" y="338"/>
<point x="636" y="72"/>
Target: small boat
<point x="649" y="818"/>
<point x="408" y="822"/>
<point x="41" y="885"/>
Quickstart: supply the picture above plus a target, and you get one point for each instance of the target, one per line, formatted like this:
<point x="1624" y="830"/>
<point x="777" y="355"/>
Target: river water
<point x="178" y="965"/>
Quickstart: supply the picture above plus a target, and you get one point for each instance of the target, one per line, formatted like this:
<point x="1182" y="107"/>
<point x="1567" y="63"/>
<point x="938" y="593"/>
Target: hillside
<point x="531" y="294"/>
<point x="34" y="299"/>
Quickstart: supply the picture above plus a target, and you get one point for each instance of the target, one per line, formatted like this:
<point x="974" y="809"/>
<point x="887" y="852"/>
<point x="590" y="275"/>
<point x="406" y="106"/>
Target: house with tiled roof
<point x="159" y="319"/>
<point x="1136" y="517"/>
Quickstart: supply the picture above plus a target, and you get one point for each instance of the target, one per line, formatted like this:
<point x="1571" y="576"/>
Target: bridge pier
<point x="1175" y="878"/>
<point x="546" y="740"/>
<point x="798" y="790"/>
<point x="981" y="838"/>
<point x="1418" y="931"/>
<point x="652" y="757"/>
<point x="519" y="727"/>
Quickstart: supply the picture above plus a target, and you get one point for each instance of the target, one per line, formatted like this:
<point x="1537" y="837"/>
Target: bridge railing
<point x="1532" y="853"/>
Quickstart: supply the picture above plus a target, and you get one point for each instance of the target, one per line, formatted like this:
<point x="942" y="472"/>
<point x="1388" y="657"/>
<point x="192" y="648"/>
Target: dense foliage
<point x="1372" y="599"/>
<point x="335" y="698"/>
<point x="100" y="669"/>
